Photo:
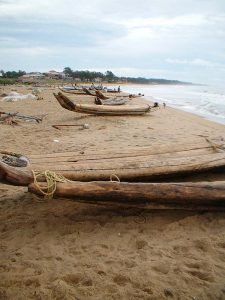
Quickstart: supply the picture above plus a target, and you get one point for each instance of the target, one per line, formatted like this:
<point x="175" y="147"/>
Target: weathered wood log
<point x="67" y="125"/>
<point x="8" y="120"/>
<point x="199" y="193"/>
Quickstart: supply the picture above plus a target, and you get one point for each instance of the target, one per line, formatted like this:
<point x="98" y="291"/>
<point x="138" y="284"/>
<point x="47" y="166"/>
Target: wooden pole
<point x="186" y="193"/>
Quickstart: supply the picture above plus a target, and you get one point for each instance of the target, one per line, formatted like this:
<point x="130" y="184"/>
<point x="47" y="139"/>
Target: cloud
<point x="162" y="38"/>
<point x="196" y="62"/>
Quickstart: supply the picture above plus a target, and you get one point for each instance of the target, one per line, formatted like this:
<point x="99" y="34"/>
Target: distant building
<point x="77" y="79"/>
<point x="124" y="80"/>
<point x="1" y="74"/>
<point x="56" y="75"/>
<point x="31" y="77"/>
<point x="98" y="79"/>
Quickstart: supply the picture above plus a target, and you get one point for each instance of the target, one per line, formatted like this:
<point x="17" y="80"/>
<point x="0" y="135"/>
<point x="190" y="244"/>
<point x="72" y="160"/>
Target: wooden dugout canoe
<point x="100" y="99"/>
<point x="104" y="97"/>
<point x="73" y="92"/>
<point x="130" y="164"/>
<point x="191" y="195"/>
<point x="112" y="110"/>
<point x="112" y="101"/>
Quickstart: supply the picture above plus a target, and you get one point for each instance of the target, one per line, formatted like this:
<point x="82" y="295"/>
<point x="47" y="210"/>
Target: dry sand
<point x="60" y="249"/>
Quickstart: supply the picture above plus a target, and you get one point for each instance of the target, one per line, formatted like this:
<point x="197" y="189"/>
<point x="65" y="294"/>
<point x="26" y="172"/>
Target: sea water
<point x="206" y="101"/>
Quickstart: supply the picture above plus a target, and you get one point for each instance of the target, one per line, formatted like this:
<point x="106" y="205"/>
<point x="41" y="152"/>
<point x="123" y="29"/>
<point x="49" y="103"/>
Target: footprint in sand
<point x="161" y="267"/>
<point x="79" y="278"/>
<point x="121" y="279"/>
<point x="201" y="270"/>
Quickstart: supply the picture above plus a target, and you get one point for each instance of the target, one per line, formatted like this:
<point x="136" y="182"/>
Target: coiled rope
<point x="114" y="176"/>
<point x="51" y="178"/>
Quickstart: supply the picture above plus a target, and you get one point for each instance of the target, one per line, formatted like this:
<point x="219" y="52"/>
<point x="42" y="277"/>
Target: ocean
<point x="206" y="101"/>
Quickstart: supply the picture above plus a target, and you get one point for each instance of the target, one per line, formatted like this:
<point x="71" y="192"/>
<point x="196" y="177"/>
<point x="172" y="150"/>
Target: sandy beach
<point x="61" y="249"/>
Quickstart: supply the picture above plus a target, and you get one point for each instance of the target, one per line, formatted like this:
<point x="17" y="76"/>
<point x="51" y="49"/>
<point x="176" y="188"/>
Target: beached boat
<point x="105" y="97"/>
<point x="73" y="91"/>
<point x="190" y="195"/>
<point x="100" y="99"/>
<point x="130" y="164"/>
<point x="112" y="110"/>
<point x="112" y="101"/>
<point x="91" y="175"/>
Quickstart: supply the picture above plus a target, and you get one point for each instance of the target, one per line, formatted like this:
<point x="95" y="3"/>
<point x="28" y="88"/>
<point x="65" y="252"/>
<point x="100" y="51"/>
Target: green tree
<point x="13" y="74"/>
<point x="110" y="76"/>
<point x="68" y="71"/>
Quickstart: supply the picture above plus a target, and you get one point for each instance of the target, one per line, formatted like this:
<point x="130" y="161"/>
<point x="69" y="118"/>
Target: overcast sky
<point x="173" y="39"/>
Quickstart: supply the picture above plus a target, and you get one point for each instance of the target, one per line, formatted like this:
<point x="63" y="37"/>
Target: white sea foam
<point x="208" y="102"/>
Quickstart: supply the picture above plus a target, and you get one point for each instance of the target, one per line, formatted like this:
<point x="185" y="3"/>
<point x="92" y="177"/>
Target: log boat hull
<point x="130" y="164"/>
<point x="112" y="110"/>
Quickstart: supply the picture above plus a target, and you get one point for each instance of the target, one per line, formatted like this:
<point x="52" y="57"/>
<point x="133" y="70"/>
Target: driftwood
<point x="68" y="125"/>
<point x="112" y="110"/>
<point x="199" y="193"/>
<point x="8" y="119"/>
<point x="18" y="116"/>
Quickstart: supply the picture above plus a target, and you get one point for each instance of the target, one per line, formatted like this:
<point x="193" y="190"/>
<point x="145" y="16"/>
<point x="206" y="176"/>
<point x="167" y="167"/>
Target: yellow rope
<point x="51" y="178"/>
<point x="215" y="147"/>
<point x="114" y="175"/>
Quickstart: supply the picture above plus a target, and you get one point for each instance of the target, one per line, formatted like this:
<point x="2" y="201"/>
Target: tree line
<point x="90" y="75"/>
<point x="12" y="74"/>
<point x="86" y="75"/>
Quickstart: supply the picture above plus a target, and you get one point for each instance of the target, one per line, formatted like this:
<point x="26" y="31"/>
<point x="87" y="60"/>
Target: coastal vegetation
<point x="108" y="76"/>
<point x="10" y="77"/>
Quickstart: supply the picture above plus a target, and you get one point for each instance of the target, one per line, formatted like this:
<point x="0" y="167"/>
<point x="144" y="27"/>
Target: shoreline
<point x="194" y="108"/>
